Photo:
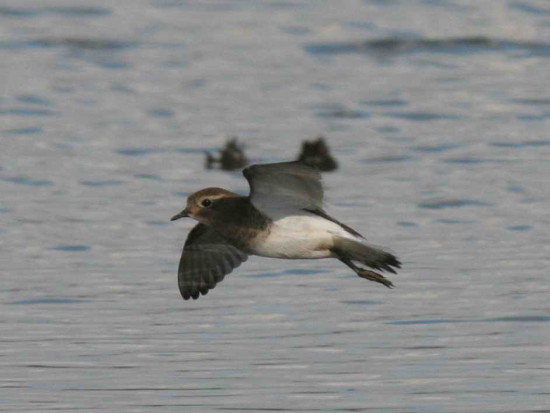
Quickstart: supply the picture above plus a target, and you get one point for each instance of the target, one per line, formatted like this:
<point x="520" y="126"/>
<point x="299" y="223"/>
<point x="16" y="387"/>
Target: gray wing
<point x="206" y="259"/>
<point x="284" y="187"/>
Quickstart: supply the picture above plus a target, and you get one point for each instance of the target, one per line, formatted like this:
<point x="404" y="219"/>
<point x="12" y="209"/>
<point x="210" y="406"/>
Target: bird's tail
<point x="369" y="255"/>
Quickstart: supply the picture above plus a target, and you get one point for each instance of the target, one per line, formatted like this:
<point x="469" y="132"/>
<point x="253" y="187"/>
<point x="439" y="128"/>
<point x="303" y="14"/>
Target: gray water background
<point x="439" y="114"/>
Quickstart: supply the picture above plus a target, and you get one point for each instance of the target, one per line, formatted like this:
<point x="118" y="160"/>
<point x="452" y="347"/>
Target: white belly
<point x="300" y="236"/>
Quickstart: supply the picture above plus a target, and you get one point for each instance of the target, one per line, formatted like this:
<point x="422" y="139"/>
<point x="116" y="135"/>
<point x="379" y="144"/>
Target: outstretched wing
<point x="279" y="188"/>
<point x="206" y="259"/>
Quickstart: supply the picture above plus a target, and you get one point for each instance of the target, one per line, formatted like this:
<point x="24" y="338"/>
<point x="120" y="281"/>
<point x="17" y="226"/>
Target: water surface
<point x="438" y="114"/>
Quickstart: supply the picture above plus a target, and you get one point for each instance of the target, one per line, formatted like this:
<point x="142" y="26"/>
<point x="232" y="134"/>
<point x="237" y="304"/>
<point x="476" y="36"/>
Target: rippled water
<point x="438" y="114"/>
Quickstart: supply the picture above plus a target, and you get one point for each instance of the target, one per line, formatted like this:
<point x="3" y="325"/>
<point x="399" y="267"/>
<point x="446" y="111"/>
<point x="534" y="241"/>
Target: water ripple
<point x="102" y="182"/>
<point x="520" y="318"/>
<point x="161" y="113"/>
<point x="523" y="144"/>
<point x="385" y="102"/>
<point x="443" y="147"/>
<point x="34" y="100"/>
<point x="389" y="158"/>
<point x="344" y="114"/>
<point x="452" y="203"/>
<point x="519" y="227"/>
<point x="530" y="8"/>
<point x="294" y="271"/>
<point x="70" y="42"/>
<point x="454" y="221"/>
<point x="86" y="11"/>
<point x="181" y="194"/>
<point x="421" y="116"/>
<point x="361" y="302"/>
<point x="428" y="321"/>
<point x="25" y="180"/>
<point x="454" y="45"/>
<point x="47" y="300"/>
<point x="138" y="151"/>
<point x="531" y="102"/>
<point x="473" y="160"/>
<point x="150" y="177"/>
<point x="28" y="112"/>
<point x="85" y="43"/>
<point x="72" y="248"/>
<point x="24" y="131"/>
<point x="14" y="12"/>
<point x="338" y="111"/>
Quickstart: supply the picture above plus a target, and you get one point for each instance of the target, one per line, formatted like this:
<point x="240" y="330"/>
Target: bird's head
<point x="204" y="205"/>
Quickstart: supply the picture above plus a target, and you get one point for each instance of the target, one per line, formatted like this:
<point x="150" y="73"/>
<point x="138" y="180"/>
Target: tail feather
<point x="368" y="255"/>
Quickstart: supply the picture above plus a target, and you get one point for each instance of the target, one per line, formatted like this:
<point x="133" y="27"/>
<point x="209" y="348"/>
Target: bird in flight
<point x="282" y="217"/>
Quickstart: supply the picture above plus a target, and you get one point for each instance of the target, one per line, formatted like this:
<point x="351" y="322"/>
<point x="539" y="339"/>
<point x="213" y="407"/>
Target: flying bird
<point x="282" y="217"/>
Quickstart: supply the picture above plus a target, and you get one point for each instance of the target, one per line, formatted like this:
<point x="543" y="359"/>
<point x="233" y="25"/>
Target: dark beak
<point x="182" y="214"/>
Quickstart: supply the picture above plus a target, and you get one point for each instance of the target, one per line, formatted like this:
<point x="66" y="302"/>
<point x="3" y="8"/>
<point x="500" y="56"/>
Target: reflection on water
<point x="440" y="133"/>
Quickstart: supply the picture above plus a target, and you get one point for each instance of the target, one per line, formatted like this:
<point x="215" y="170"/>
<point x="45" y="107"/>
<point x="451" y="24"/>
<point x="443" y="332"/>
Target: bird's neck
<point x="239" y="221"/>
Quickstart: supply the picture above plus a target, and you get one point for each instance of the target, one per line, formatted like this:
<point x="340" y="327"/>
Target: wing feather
<point x="282" y="187"/>
<point x="206" y="259"/>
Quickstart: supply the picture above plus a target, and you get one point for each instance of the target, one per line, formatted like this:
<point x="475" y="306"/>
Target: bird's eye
<point x="206" y="203"/>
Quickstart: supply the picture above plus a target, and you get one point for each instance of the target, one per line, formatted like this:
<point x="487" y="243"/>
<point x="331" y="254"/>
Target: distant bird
<point x="283" y="217"/>
<point x="316" y="153"/>
<point x="231" y="157"/>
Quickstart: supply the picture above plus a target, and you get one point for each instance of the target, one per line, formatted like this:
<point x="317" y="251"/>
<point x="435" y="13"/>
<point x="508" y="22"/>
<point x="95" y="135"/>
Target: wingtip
<point x="188" y="295"/>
